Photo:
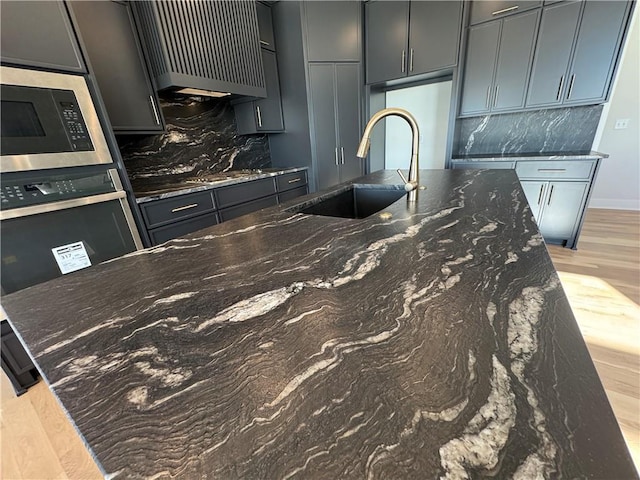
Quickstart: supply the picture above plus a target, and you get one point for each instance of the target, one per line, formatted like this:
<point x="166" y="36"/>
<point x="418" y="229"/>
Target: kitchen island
<point x="432" y="341"/>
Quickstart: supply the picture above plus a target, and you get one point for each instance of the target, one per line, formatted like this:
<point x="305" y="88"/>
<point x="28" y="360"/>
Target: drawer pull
<point x="295" y="180"/>
<point x="184" y="207"/>
<point x="262" y="42"/>
<point x="550" y="195"/>
<point x="552" y="170"/>
<point x="540" y="195"/>
<point x="505" y="10"/>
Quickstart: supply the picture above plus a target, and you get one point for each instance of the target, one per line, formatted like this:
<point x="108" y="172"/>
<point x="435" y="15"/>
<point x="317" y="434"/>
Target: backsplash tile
<point x="201" y="139"/>
<point x="542" y="131"/>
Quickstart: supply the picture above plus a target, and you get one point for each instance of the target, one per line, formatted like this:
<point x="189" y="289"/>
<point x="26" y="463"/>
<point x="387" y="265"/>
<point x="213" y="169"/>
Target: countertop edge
<point x="593" y="155"/>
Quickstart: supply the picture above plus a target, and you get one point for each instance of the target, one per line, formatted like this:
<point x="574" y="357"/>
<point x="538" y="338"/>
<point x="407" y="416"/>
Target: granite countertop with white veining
<point x="148" y="190"/>
<point x="437" y="343"/>
<point x="501" y="157"/>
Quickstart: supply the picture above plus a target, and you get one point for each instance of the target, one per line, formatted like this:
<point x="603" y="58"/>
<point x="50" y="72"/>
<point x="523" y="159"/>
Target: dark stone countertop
<point x="498" y="157"/>
<point x="436" y="343"/>
<point x="155" y="189"/>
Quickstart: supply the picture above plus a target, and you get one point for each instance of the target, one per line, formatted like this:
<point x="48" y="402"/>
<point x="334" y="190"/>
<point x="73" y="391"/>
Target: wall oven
<point x="47" y="120"/>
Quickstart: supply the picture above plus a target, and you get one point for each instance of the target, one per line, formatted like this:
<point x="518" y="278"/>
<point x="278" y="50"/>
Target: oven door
<point x="101" y="223"/>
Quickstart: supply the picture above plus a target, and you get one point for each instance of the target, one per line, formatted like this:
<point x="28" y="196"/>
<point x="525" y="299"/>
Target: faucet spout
<point x="411" y="184"/>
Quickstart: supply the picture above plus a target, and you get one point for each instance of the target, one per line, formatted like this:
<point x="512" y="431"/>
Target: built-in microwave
<point x="47" y="120"/>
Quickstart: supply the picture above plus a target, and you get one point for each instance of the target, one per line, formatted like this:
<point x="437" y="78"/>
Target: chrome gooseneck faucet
<point x="410" y="185"/>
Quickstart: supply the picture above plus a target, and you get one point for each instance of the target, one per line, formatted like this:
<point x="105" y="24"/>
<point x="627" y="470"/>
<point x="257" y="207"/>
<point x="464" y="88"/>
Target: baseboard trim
<point x="614" y="204"/>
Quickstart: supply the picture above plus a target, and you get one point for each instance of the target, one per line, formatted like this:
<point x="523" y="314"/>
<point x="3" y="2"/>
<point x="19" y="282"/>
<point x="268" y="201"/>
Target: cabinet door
<point x="514" y="60"/>
<point x="479" y="67"/>
<point x="596" y="50"/>
<point x="119" y="65"/>
<point x="39" y="34"/>
<point x="269" y="110"/>
<point x="265" y="26"/>
<point x="534" y="191"/>
<point x="348" y="100"/>
<point x="434" y="32"/>
<point x="563" y="206"/>
<point x="483" y="10"/>
<point x="553" y="50"/>
<point x="386" y="39"/>
<point x="333" y="31"/>
<point x="323" y="116"/>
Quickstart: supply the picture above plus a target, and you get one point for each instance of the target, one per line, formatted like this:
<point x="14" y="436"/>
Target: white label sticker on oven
<point x="71" y="257"/>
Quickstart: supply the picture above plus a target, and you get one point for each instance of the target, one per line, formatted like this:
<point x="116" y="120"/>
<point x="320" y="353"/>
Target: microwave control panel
<point x="72" y="120"/>
<point x="24" y="192"/>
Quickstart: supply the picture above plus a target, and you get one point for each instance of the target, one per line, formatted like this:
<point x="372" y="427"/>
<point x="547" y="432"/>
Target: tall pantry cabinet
<point x="321" y="80"/>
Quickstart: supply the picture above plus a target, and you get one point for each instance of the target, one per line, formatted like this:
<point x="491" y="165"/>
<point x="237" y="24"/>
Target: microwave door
<point x="30" y="122"/>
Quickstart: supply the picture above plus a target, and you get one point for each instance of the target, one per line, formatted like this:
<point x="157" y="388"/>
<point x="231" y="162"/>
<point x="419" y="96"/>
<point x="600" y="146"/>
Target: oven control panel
<point x="21" y="192"/>
<point x="72" y="120"/>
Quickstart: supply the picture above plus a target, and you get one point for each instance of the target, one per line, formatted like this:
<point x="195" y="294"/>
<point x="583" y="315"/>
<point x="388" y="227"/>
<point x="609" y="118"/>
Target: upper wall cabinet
<point x="39" y="34"/>
<point x="207" y="45"/>
<point x="127" y="91"/>
<point x="485" y="10"/>
<point x="578" y="48"/>
<point x="333" y="31"/>
<point x="265" y="27"/>
<point x="410" y="38"/>
<point x="497" y="64"/>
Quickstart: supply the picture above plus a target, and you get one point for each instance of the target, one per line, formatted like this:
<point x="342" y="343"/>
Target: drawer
<point x="483" y="165"/>
<point x="290" y="181"/>
<point x="239" y="210"/>
<point x="160" y="212"/>
<point x="162" y="234"/>
<point x="244" y="192"/>
<point x="556" y="170"/>
<point x="484" y="10"/>
<point x="291" y="194"/>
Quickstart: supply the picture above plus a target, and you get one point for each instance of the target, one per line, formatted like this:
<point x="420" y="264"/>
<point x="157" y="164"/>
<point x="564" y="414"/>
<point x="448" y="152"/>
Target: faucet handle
<point x="408" y="186"/>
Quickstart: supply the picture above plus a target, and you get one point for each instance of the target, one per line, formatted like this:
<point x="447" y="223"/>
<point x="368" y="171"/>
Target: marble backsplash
<point x="201" y="139"/>
<point x="543" y="131"/>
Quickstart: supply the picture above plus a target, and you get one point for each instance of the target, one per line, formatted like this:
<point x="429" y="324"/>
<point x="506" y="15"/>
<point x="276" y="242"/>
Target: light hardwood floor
<point x="601" y="279"/>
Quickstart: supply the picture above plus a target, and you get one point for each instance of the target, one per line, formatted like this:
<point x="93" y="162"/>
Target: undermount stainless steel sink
<point x="358" y="201"/>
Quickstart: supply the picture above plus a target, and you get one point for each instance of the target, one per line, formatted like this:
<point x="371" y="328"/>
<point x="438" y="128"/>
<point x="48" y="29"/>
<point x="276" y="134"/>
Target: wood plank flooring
<point x="601" y="279"/>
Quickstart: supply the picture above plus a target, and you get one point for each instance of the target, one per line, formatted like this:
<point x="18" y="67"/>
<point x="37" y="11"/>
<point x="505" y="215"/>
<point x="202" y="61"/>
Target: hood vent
<point x="210" y="46"/>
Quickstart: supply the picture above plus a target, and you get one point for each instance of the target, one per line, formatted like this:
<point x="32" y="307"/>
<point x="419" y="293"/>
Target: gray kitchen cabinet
<point x="563" y="204"/>
<point x="39" y="34"/>
<point x="334" y="31"/>
<point x="335" y="107"/>
<point x="577" y="51"/>
<point x="497" y="64"/>
<point x="118" y="65"/>
<point x="485" y="10"/>
<point x="265" y="26"/>
<point x="176" y="208"/>
<point x="535" y="193"/>
<point x="321" y="101"/>
<point x="205" y="45"/>
<point x="410" y="38"/>
<point x="162" y="234"/>
<point x="263" y="115"/>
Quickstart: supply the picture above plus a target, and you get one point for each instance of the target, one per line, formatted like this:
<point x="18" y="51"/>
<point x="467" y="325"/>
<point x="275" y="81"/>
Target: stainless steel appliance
<point x="48" y="121"/>
<point x="63" y="207"/>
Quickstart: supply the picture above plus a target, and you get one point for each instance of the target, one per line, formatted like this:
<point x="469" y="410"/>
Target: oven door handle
<point x="61" y="205"/>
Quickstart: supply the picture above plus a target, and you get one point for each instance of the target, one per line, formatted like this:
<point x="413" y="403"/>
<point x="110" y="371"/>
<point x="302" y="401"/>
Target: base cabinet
<point x="557" y="193"/>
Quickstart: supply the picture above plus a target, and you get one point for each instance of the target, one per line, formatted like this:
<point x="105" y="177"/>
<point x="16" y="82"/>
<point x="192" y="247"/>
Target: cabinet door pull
<point x="184" y="207"/>
<point x="404" y="56"/>
<point x="560" y="88"/>
<point x="550" y="195"/>
<point x="411" y="60"/>
<point x="262" y="42"/>
<point x="336" y="152"/>
<point x="573" y="77"/>
<point x="505" y="10"/>
<point x="155" y="110"/>
<point x="259" y="116"/>
<point x="495" y="99"/>
<point x="295" y="180"/>
<point x="540" y="195"/>
<point x="552" y="170"/>
<point x="486" y="103"/>
<point x="342" y="154"/>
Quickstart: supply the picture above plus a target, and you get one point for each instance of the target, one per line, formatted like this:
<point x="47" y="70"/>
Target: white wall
<point x="430" y="105"/>
<point x="618" y="183"/>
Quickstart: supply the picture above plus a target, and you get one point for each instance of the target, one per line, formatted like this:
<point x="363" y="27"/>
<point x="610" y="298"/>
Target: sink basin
<point x="358" y="201"/>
